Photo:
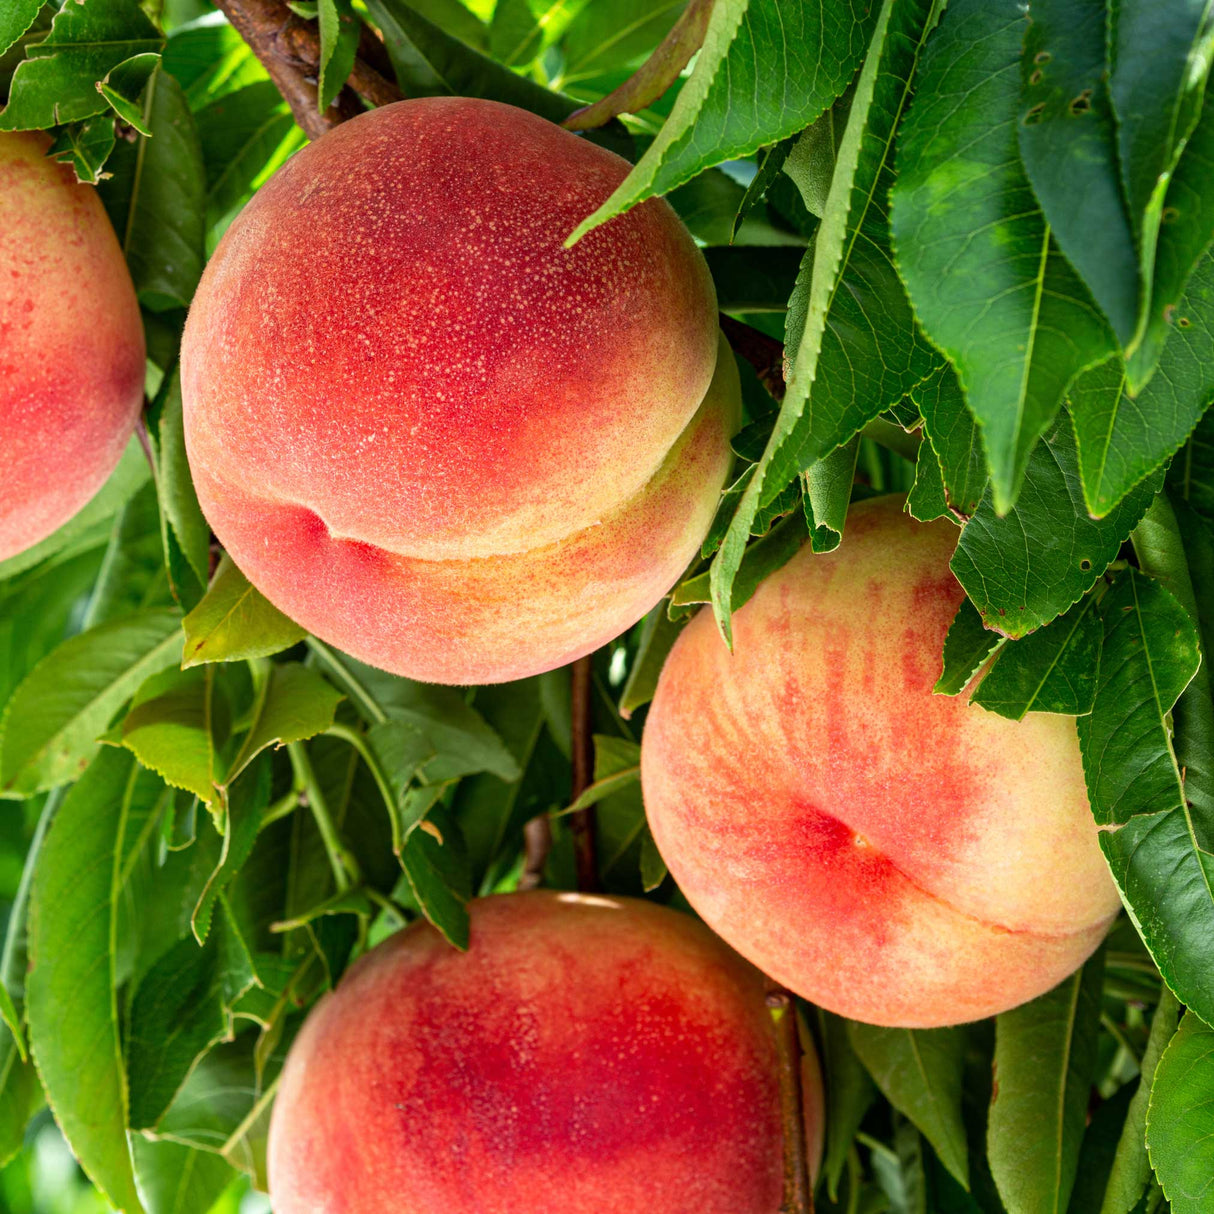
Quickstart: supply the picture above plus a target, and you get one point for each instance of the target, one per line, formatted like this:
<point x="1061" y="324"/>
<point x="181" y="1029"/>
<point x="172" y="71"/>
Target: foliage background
<point x="983" y="240"/>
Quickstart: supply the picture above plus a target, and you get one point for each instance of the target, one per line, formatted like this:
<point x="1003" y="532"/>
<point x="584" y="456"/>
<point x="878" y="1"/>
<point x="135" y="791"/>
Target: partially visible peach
<point x="587" y="1055"/>
<point x="429" y="432"/>
<point x="896" y="856"/>
<point x="71" y="344"/>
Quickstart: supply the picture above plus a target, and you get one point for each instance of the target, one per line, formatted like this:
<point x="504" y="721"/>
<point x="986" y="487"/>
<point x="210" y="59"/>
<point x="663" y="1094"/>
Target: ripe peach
<point x="430" y="433"/>
<point x="587" y="1055"/>
<point x="71" y="344"/>
<point x="896" y="856"/>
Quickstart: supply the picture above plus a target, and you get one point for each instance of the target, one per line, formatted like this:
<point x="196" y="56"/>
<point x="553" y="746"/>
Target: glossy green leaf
<point x="339" y="31"/>
<point x="72" y="1003"/>
<point x="1159" y="57"/>
<point x="967" y="645"/>
<point x="987" y="284"/>
<point x="395" y="752"/>
<point x="1068" y="141"/>
<point x="1051" y="670"/>
<point x="919" y="1071"/>
<point x="156" y="198"/>
<point x="16" y="17"/>
<point x="849" y="1094"/>
<point x="294" y="703"/>
<point x="235" y="621"/>
<point x="20" y="1091"/>
<point x="1151" y="655"/>
<point x="52" y="722"/>
<point x="846" y="280"/>
<point x="1045" y="1061"/>
<point x="183" y="1007"/>
<point x="245" y="135"/>
<point x="86" y="146"/>
<point x="1131" y="1168"/>
<point x="954" y="437"/>
<point x="1121" y="438"/>
<point x="1186" y="230"/>
<point x="209" y="58"/>
<point x="123" y="86"/>
<point x="57" y="82"/>
<point x="1180" y="1120"/>
<point x="827" y="494"/>
<point x="177" y="1179"/>
<point x="765" y="71"/>
<point x="435" y="860"/>
<point x="429" y="62"/>
<point x="602" y="37"/>
<point x="1026" y="568"/>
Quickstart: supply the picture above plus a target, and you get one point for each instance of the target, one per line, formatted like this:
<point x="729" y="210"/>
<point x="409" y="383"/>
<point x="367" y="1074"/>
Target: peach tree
<point x="961" y="251"/>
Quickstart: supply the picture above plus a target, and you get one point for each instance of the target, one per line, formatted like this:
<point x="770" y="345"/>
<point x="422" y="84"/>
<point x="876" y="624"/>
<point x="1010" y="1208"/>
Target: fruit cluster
<point x="453" y="447"/>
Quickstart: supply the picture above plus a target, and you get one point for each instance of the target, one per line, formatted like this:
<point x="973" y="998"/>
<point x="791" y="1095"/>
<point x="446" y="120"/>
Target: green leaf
<point x="1159" y="52"/>
<point x="926" y="500"/>
<point x="182" y="1008"/>
<point x="1151" y="654"/>
<point x="435" y="861"/>
<point x="658" y="635"/>
<point x="954" y="437"/>
<point x="1045" y="1062"/>
<point x="1123" y="439"/>
<point x="72" y="1003"/>
<point x="395" y="751"/>
<point x="57" y="82"/>
<point x="765" y="71"/>
<point x="1160" y="856"/>
<point x="1029" y="566"/>
<point x="209" y="58"/>
<point x="169" y="729"/>
<point x="245" y="135"/>
<point x="174" y="486"/>
<point x="849" y="1094"/>
<point x="974" y="249"/>
<point x="16" y="17"/>
<point x="177" y="1179"/>
<point x="919" y="1071"/>
<point x="967" y="645"/>
<point x="85" y="146"/>
<point x="617" y="766"/>
<point x="770" y="162"/>
<point x="828" y="486"/>
<point x="429" y="62"/>
<point x="1131" y="1168"/>
<point x="52" y="722"/>
<point x="847" y="294"/>
<point x="1191" y="475"/>
<point x="753" y="279"/>
<point x="1187" y="225"/>
<point x="1068" y="141"/>
<point x="294" y="703"/>
<point x="1051" y="670"/>
<point x="10" y="1016"/>
<point x="20" y="1092"/>
<point x="339" y="31"/>
<point x="156" y="198"/>
<point x="1180" y="1121"/>
<point x="648" y="84"/>
<point x="123" y="86"/>
<point x="235" y="621"/>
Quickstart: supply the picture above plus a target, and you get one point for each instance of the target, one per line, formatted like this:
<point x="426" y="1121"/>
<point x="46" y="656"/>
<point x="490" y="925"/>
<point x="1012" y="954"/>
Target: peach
<point x="71" y="344"/>
<point x="430" y="433"/>
<point x="587" y="1055"/>
<point x="896" y="856"/>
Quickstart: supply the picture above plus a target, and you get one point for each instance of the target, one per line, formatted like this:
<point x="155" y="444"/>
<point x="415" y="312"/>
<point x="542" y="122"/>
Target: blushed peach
<point x="587" y="1055"/>
<point x="71" y="344"/>
<point x="430" y="433"/>
<point x="899" y="857"/>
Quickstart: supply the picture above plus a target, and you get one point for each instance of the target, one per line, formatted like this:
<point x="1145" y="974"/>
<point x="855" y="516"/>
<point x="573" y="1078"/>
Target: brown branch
<point x="582" y="821"/>
<point x="303" y="41"/>
<point x="798" y="1192"/>
<point x="763" y="353"/>
<point x="289" y="49"/>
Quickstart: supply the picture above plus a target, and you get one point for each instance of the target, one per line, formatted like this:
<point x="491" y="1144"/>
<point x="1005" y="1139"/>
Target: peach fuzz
<point x="71" y="344"/>
<point x="898" y="857"/>
<point x="587" y="1055"/>
<point x="430" y="433"/>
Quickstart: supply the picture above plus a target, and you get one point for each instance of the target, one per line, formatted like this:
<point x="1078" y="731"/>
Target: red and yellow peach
<point x="587" y="1055"/>
<point x="429" y="432"/>
<point x="71" y="344"/>
<point x="899" y="857"/>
